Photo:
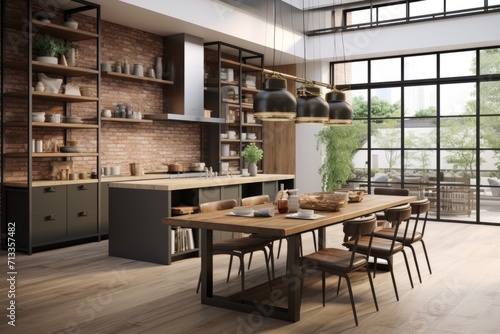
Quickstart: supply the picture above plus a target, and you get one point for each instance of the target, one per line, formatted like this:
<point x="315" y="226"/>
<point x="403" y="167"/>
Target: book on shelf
<point x="182" y="239"/>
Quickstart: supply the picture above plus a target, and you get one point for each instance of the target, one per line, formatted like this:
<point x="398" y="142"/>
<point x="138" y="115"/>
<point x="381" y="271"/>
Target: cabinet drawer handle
<point x="82" y="214"/>
<point x="82" y="187"/>
<point x="50" y="217"/>
<point x="49" y="190"/>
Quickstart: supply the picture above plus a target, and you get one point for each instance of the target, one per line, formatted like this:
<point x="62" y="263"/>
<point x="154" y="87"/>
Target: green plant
<point x="46" y="45"/>
<point x="252" y="154"/>
<point x="340" y="144"/>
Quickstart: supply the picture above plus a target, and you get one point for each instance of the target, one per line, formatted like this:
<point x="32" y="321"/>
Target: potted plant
<point x="252" y="154"/>
<point x="48" y="48"/>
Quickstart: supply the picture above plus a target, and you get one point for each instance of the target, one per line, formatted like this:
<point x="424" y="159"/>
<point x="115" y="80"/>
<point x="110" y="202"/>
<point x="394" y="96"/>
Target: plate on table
<point x="296" y="216"/>
<point x="240" y="214"/>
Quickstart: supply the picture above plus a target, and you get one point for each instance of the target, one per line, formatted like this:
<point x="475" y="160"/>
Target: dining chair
<point x="237" y="246"/>
<point x="391" y="192"/>
<point x="413" y="230"/>
<point x="385" y="248"/>
<point x="257" y="200"/>
<point x="342" y="262"/>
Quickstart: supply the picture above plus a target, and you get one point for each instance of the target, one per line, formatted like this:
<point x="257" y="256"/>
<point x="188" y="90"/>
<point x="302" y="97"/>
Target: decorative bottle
<point x="159" y="68"/>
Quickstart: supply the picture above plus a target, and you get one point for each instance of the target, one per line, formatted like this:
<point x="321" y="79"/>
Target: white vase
<point x="252" y="169"/>
<point x="47" y="59"/>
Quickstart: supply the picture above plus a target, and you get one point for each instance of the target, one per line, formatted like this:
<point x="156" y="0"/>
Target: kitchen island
<point x="137" y="209"/>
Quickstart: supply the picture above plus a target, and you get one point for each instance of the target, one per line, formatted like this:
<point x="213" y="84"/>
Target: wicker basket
<point x="322" y="201"/>
<point x="356" y="196"/>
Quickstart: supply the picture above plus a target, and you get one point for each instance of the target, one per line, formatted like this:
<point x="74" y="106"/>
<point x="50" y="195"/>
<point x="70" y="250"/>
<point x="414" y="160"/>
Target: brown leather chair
<point x="238" y="246"/>
<point x="413" y="231"/>
<point x="257" y="200"/>
<point x="385" y="248"/>
<point x="342" y="262"/>
<point x="391" y="192"/>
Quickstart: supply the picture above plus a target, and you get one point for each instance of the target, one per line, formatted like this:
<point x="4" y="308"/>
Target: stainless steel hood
<point x="184" y="101"/>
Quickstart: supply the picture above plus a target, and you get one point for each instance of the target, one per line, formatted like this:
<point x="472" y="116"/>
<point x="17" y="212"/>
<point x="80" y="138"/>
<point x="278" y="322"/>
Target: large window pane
<point x="426" y="7"/>
<point x="489" y="134"/>
<point x="386" y="161"/>
<point x="489" y="61"/>
<point x="360" y="103"/>
<point x="420" y="67"/>
<point x="386" y="102"/>
<point x="420" y="133"/>
<point x="489" y="101"/>
<point x="455" y="64"/>
<point x="420" y="101"/>
<point x="386" y="133"/>
<point x="384" y="70"/>
<point x="458" y="99"/>
<point x="458" y="132"/>
<point x="357" y="17"/>
<point x="391" y="12"/>
<point x="452" y="5"/>
<point x="458" y="162"/>
<point x="351" y="73"/>
<point x="420" y="162"/>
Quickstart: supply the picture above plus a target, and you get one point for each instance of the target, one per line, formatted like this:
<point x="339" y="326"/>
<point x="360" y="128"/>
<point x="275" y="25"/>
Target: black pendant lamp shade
<point x="274" y="102"/>
<point x="311" y="107"/>
<point x="340" y="110"/>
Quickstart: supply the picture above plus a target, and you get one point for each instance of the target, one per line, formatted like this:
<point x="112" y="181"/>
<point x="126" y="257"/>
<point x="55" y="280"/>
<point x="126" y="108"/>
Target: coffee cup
<point x="305" y="213"/>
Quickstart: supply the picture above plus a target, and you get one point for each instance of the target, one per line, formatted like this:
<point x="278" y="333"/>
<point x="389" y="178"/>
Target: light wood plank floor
<point x="81" y="289"/>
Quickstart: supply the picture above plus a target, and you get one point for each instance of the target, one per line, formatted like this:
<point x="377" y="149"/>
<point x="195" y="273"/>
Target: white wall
<point x="308" y="158"/>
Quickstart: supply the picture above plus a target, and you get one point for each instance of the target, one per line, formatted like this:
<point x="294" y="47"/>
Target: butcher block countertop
<point x="199" y="182"/>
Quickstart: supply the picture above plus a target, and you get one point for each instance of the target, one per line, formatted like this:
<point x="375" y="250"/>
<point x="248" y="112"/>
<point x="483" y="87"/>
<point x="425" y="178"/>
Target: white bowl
<point x="37" y="118"/>
<point x="71" y="24"/>
<point x="305" y="213"/>
<point x="242" y="211"/>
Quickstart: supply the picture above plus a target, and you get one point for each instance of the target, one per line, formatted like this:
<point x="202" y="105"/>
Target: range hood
<point x="184" y="101"/>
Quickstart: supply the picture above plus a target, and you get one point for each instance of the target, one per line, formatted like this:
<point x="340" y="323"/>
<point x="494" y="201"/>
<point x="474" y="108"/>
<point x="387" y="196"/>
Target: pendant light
<point x="274" y="102"/>
<point x="311" y="107"/>
<point x="340" y="111"/>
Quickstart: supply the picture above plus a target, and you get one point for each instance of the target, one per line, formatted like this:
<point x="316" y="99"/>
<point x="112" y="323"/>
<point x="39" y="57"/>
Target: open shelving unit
<point x="231" y="98"/>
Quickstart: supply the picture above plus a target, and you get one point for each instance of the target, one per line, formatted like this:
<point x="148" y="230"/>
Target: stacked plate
<point x="72" y="149"/>
<point x="73" y="119"/>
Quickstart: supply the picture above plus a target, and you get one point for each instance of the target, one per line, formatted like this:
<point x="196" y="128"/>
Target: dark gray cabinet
<point x="59" y="214"/>
<point x="82" y="210"/>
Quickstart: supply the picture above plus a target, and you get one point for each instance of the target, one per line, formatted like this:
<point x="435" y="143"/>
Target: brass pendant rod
<point x="296" y="78"/>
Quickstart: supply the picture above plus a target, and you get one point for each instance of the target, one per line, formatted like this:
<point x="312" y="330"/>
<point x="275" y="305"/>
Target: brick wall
<point x="120" y="143"/>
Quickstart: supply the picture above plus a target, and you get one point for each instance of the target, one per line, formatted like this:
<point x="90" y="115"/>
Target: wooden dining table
<point x="276" y="227"/>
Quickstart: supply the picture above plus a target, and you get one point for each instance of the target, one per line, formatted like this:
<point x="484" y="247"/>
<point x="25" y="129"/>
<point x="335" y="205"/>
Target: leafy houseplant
<point x="252" y="154"/>
<point x="48" y="46"/>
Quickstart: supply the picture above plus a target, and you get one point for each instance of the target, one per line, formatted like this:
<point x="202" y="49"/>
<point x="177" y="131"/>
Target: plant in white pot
<point x="48" y="48"/>
<point x="252" y="154"/>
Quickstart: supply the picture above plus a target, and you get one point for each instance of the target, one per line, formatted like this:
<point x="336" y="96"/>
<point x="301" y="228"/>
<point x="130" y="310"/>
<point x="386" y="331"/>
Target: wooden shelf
<point x="52" y="125"/>
<point x="247" y="106"/>
<point x="53" y="97"/>
<point x="38" y="66"/>
<point x="250" y="90"/>
<point x="230" y="141"/>
<point x="63" y="31"/>
<point x="125" y="120"/>
<point x="136" y="78"/>
<point x="252" y="141"/>
<point x="248" y="125"/>
<point x="236" y="157"/>
<point x="50" y="155"/>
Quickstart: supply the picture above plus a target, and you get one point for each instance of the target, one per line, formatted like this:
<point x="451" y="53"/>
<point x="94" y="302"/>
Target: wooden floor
<point x="81" y="289"/>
